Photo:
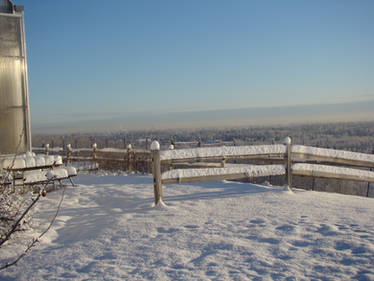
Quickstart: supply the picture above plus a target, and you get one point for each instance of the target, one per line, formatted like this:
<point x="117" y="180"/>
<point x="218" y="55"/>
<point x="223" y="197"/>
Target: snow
<point x="59" y="173"/>
<point x="222" y="151"/>
<point x="347" y="155"/>
<point x="109" y="149"/>
<point x="49" y="159"/>
<point x="249" y="170"/>
<point x="58" y="160"/>
<point x="15" y="163"/>
<point x="287" y="140"/>
<point x="155" y="145"/>
<point x="333" y="170"/>
<point x="72" y="171"/>
<point x="35" y="176"/>
<point x="39" y="161"/>
<point x="108" y="230"/>
<point x="29" y="160"/>
<point x="43" y="175"/>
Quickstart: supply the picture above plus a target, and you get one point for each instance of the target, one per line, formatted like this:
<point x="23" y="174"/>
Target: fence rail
<point x="298" y="160"/>
<point x="132" y="160"/>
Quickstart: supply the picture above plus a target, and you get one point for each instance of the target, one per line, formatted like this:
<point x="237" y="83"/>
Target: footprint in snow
<point x="286" y="228"/>
<point x="166" y="230"/>
<point x="300" y="243"/>
<point x="191" y="226"/>
<point x="269" y="240"/>
<point x="343" y="245"/>
<point x="257" y="221"/>
<point x="327" y="230"/>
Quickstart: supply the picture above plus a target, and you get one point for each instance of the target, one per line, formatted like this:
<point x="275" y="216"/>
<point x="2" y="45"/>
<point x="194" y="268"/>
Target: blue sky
<point x="91" y="59"/>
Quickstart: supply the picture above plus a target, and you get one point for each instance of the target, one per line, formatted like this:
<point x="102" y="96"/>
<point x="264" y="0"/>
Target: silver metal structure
<point x="15" y="135"/>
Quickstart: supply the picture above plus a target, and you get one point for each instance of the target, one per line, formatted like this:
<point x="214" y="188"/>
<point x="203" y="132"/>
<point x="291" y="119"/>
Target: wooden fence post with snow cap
<point x="156" y="171"/>
<point x="288" y="142"/>
<point x="68" y="152"/>
<point x="129" y="158"/>
<point x="94" y="148"/>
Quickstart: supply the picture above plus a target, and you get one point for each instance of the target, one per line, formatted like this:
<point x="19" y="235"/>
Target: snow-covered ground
<point x="108" y="230"/>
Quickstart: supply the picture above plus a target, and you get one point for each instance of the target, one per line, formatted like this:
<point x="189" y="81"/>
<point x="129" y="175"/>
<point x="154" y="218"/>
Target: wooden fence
<point x="132" y="160"/>
<point x="286" y="160"/>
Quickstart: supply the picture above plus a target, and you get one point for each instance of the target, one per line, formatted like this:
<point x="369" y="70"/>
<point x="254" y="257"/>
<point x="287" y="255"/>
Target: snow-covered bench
<point x="35" y="177"/>
<point x="31" y="169"/>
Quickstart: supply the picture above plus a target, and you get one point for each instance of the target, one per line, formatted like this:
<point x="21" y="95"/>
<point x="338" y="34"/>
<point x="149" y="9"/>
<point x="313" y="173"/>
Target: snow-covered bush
<point x="13" y="205"/>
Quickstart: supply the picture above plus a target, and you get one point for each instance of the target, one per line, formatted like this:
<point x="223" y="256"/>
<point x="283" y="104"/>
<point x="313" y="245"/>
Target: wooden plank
<point x="274" y="156"/>
<point x="327" y="159"/>
<point x="81" y="158"/>
<point x="195" y="165"/>
<point x="205" y="178"/>
<point x="32" y="168"/>
<point x="329" y="175"/>
<point x="217" y="174"/>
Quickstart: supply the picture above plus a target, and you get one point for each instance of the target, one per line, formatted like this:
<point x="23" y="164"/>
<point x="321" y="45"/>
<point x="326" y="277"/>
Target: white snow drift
<point x="108" y="230"/>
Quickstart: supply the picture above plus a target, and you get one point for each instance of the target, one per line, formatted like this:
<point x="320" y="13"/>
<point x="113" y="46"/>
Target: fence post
<point x="368" y="188"/>
<point x="156" y="171"/>
<point x="94" y="148"/>
<point x="68" y="152"/>
<point x="129" y="160"/>
<point x="288" y="142"/>
<point x="46" y="148"/>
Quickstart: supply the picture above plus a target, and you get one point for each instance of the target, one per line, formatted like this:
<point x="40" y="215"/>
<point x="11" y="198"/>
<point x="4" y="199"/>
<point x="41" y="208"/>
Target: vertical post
<point x="129" y="160"/>
<point x="287" y="142"/>
<point x="156" y="171"/>
<point x="68" y="152"/>
<point x="171" y="147"/>
<point x="94" y="148"/>
<point x="46" y="148"/>
<point x="368" y="189"/>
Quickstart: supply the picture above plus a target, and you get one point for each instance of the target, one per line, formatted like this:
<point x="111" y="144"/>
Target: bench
<point x="30" y="170"/>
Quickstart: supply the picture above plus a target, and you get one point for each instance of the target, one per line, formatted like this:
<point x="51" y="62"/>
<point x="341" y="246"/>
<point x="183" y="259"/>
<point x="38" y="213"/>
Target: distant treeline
<point x="357" y="136"/>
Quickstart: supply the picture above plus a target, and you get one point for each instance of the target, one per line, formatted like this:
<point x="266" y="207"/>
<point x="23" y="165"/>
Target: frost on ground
<point x="108" y="230"/>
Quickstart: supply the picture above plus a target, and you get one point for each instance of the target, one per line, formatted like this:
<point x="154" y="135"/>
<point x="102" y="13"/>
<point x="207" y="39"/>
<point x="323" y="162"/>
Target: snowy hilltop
<point x="108" y="230"/>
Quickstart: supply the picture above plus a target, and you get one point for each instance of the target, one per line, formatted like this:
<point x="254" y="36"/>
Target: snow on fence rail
<point x="333" y="156"/>
<point x="291" y="155"/>
<point x="128" y="159"/>
<point x="222" y="152"/>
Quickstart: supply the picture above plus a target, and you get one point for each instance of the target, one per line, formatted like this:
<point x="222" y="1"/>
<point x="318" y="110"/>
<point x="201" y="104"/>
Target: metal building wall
<point x="14" y="106"/>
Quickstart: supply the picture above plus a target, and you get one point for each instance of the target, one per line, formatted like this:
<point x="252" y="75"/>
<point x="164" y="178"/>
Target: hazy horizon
<point x="281" y="115"/>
